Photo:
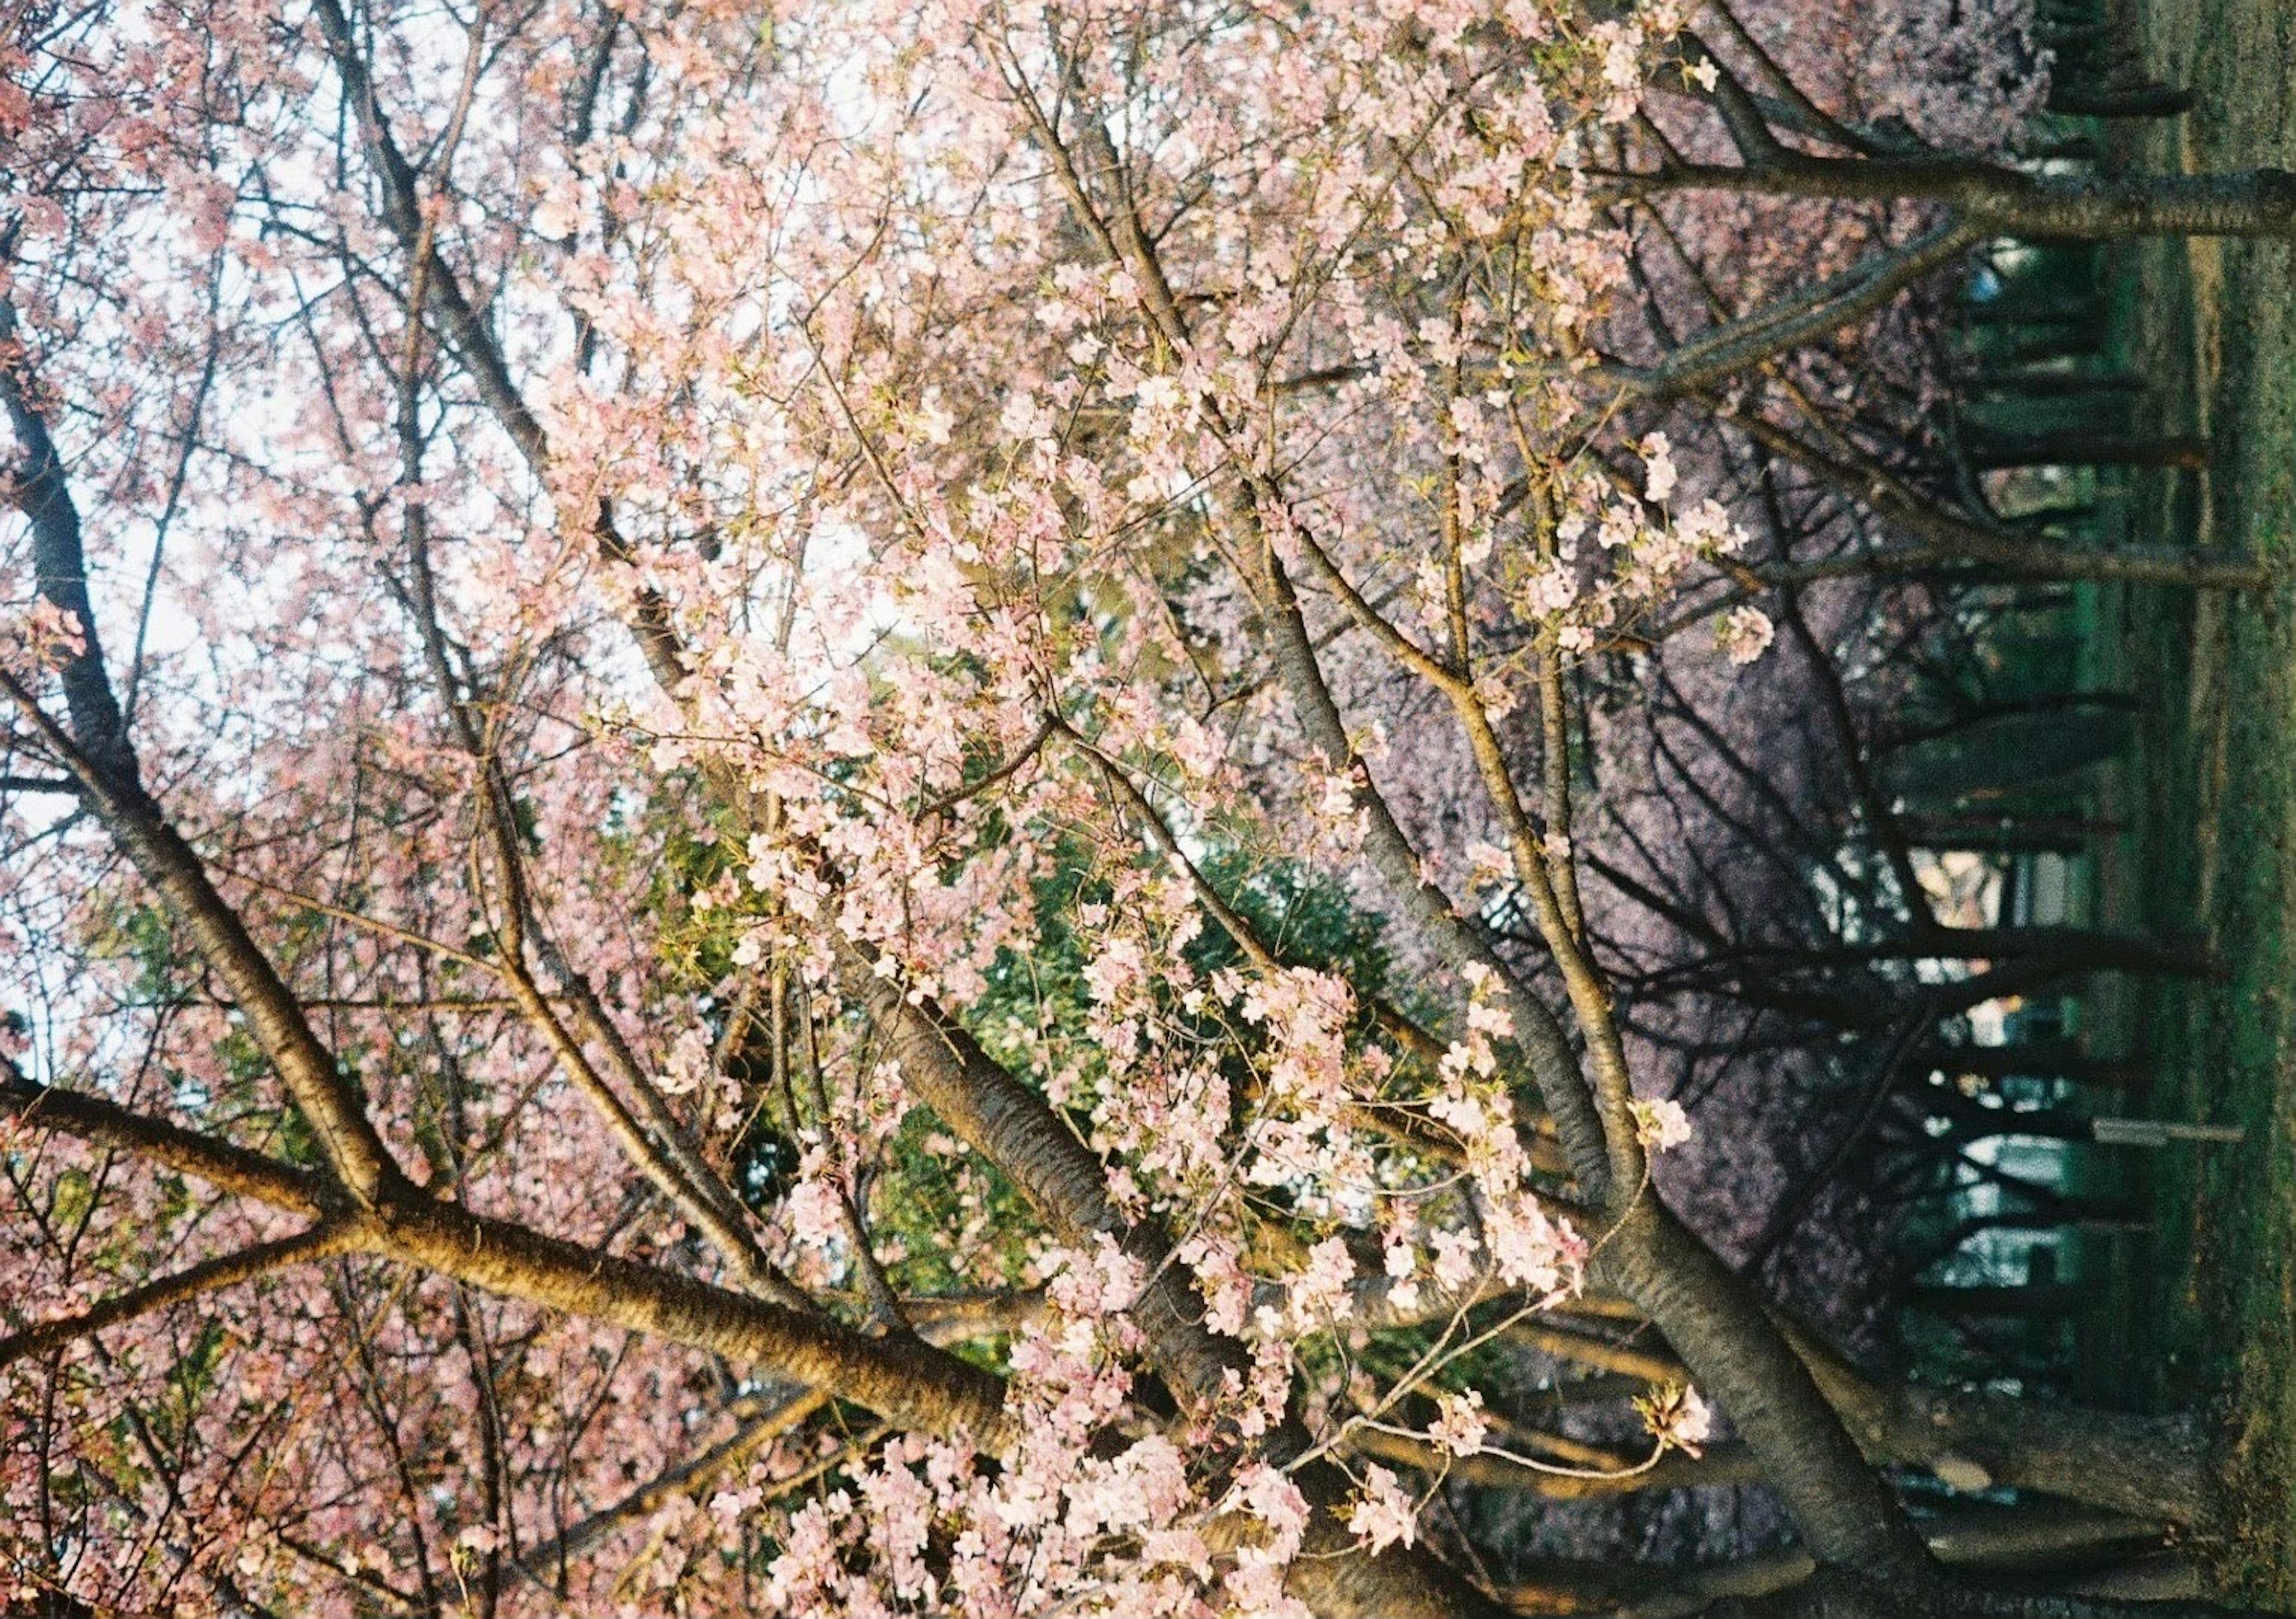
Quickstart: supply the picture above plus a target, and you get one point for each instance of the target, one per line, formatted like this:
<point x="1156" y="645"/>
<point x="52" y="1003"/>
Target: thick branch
<point x="1946" y="540"/>
<point x="1838" y="301"/>
<point x="220" y="1164"/>
<point x="273" y="1015"/>
<point x="59" y="564"/>
<point x="2146" y="1466"/>
<point x="1995" y="201"/>
<point x="904" y="1379"/>
<point x="1992" y="1539"/>
<point x="95" y="749"/>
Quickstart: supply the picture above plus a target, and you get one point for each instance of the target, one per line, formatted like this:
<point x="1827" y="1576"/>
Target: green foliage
<point x="684" y="858"/>
<point x="1305" y="918"/>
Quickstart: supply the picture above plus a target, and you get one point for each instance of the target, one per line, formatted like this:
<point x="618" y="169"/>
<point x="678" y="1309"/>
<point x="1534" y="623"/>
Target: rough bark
<point x="1723" y="1332"/>
<point x="59" y="563"/>
<point x="2083" y="98"/>
<point x="905" y="1380"/>
<point x="2146" y="1466"/>
<point x="1943" y="540"/>
<point x="1995" y="201"/>
<point x="2086" y="449"/>
<point x="902" y="1378"/>
<point x="1997" y="1541"/>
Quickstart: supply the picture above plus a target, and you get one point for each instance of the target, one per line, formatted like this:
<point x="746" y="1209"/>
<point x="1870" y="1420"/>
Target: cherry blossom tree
<point x="761" y="766"/>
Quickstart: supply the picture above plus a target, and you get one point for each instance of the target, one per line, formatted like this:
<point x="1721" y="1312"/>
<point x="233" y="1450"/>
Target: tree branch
<point x="224" y="1270"/>
<point x="1946" y="539"/>
<point x="1838" y="301"/>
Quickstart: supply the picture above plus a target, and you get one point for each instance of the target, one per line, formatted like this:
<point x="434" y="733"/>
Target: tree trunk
<point x="2037" y="1059"/>
<point x="2080" y="98"/>
<point x="2005" y="201"/>
<point x="2087" y="450"/>
<point x="1722" y="1331"/>
<point x="2008" y="834"/>
<point x="2020" y="1539"/>
<point x="2038" y="1300"/>
<point x="1832" y="1595"/>
<point x="2032" y="384"/>
<point x="2146" y="1466"/>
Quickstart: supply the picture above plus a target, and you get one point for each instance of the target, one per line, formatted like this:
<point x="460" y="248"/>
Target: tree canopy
<point x="882" y="808"/>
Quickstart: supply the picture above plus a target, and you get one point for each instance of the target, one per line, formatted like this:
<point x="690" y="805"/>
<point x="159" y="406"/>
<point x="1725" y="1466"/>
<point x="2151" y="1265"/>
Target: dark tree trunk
<point x="2037" y="1299"/>
<point x="2146" y="1466"/>
<point x="2046" y="1538"/>
<point x="2005" y="201"/>
<point x="1723" y="1331"/>
<point x="2087" y="450"/>
<point x="2076" y="98"/>
<point x="2009" y="834"/>
<point x="2037" y="1059"/>
<point x="2029" y="383"/>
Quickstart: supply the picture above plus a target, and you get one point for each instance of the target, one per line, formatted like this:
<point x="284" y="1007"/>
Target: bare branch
<point x="1838" y="301"/>
<point x="224" y="1270"/>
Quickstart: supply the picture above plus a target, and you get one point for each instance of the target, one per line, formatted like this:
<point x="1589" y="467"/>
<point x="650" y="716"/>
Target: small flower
<point x="729" y="1506"/>
<point x="1660" y="1125"/>
<point x="1460" y="1424"/>
<point x="1490" y="1020"/>
<point x="1677" y="1416"/>
<point x="690" y="1064"/>
<point x="1384" y="1514"/>
<point x="1489" y="865"/>
<point x="1269" y="1495"/>
<point x="46" y="637"/>
<point x="1455" y="1259"/>
<point x="1746" y="634"/>
<point x="1659" y="473"/>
